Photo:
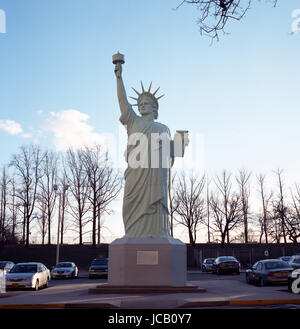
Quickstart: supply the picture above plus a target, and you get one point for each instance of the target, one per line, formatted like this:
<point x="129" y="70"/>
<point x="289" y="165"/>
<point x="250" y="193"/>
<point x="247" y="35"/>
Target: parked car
<point x="268" y="271"/>
<point x="226" y="264"/>
<point x="285" y="258"/>
<point x="207" y="264"/>
<point x="295" y="262"/>
<point x="28" y="275"/>
<point x="98" y="268"/>
<point x="6" y="266"/>
<point x="291" y="278"/>
<point x="65" y="270"/>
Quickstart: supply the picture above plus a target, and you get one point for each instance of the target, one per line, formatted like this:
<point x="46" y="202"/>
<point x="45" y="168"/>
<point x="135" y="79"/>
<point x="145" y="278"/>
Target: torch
<point x="118" y="59"/>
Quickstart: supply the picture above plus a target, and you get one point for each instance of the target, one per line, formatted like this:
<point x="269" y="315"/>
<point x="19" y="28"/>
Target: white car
<point x="28" y="275"/>
<point x="65" y="270"/>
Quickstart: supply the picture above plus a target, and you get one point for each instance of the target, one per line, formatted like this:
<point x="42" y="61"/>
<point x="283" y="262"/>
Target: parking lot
<point x="221" y="291"/>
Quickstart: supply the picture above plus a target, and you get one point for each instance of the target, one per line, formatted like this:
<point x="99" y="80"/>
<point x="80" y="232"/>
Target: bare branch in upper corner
<point x="214" y="14"/>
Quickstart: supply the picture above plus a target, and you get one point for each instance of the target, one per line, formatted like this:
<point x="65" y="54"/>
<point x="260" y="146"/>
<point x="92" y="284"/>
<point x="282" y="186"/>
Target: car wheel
<point x="261" y="282"/>
<point x="46" y="284"/>
<point x="238" y="272"/>
<point x="36" y="287"/>
<point x="218" y="271"/>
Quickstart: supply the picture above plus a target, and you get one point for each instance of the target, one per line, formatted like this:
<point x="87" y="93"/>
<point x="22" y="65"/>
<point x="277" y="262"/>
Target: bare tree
<point x="46" y="194"/>
<point x="226" y="205"/>
<point x="265" y="217"/>
<point x="207" y="219"/>
<point x="280" y="209"/>
<point x="293" y="220"/>
<point x="79" y="190"/>
<point x="214" y="14"/>
<point x="64" y="202"/>
<point x="41" y="218"/>
<point x="191" y="204"/>
<point x="208" y="210"/>
<point x="243" y="182"/>
<point x="4" y="183"/>
<point x="14" y="209"/>
<point x="27" y="166"/>
<point x="104" y="184"/>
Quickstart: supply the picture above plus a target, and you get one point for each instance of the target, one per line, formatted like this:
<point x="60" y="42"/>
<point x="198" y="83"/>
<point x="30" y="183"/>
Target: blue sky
<point x="240" y="95"/>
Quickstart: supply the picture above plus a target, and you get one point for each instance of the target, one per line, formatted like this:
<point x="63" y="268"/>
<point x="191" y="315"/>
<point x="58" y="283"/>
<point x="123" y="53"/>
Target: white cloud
<point x="71" y="129"/>
<point x="11" y="127"/>
<point x="27" y="135"/>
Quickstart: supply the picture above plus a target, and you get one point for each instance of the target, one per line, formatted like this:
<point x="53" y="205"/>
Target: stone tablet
<point x="147" y="257"/>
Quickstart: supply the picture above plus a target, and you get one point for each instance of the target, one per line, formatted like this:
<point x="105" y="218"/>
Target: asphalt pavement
<point x="225" y="291"/>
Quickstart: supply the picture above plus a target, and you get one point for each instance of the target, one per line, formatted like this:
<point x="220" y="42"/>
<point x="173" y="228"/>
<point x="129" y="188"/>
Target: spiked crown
<point x="146" y="93"/>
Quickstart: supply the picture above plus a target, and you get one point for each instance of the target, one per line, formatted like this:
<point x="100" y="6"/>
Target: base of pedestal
<point x="109" y="289"/>
<point x="147" y="262"/>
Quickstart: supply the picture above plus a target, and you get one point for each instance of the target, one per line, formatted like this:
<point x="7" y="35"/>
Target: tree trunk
<point x="99" y="226"/>
<point x="80" y="231"/>
<point x="27" y="231"/>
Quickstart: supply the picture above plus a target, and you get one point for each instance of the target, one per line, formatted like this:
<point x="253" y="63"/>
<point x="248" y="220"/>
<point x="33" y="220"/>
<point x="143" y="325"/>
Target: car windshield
<point x="24" y="269"/>
<point x="2" y="264"/>
<point x="64" y="265"/>
<point x="102" y="261"/>
<point x="224" y="259"/>
<point x="209" y="261"/>
<point x="274" y="265"/>
<point x="296" y="260"/>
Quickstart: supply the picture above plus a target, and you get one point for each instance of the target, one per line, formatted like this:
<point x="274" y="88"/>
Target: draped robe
<point x="146" y="194"/>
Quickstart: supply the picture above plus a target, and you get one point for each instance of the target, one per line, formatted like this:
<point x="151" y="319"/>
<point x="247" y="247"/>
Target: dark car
<point x="207" y="264"/>
<point x="292" y="285"/>
<point x="294" y="262"/>
<point x="226" y="264"/>
<point x="268" y="271"/>
<point x="6" y="266"/>
<point x="98" y="268"/>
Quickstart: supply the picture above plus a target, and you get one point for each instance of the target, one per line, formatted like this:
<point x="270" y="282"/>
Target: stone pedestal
<point x="147" y="262"/>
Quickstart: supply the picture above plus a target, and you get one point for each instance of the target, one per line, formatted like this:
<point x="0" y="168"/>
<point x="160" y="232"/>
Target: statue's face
<point x="147" y="105"/>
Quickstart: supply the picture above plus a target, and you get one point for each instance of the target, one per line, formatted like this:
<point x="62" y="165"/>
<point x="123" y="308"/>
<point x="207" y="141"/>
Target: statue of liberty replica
<point x="147" y="255"/>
